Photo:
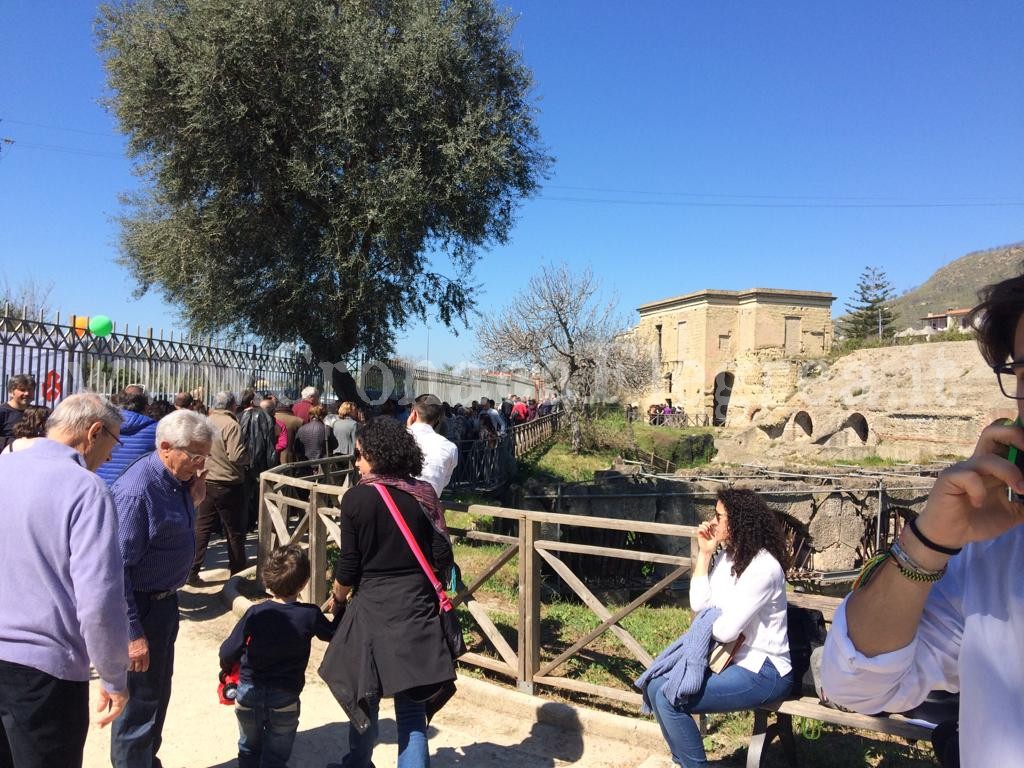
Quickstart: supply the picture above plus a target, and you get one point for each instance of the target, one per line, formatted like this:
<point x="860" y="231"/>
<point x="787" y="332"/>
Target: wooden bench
<point x="765" y="732"/>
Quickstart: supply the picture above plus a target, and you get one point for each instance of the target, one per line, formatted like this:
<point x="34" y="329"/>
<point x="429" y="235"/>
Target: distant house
<point x="950" y="320"/>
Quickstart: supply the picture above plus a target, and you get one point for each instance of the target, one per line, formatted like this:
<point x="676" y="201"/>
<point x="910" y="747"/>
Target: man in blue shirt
<point x="62" y="604"/>
<point x="155" y="499"/>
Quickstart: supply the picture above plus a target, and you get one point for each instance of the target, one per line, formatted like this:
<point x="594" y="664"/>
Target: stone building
<point x="711" y="342"/>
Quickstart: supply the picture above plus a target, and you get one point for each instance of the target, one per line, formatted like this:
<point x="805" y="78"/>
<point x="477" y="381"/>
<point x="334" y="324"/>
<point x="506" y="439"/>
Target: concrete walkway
<point x="485" y="725"/>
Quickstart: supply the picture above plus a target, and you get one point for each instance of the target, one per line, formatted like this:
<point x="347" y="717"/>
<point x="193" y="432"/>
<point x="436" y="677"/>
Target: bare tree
<point x="27" y="299"/>
<point x="560" y="326"/>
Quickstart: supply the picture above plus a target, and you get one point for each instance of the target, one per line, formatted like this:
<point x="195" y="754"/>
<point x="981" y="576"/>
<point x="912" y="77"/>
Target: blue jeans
<point x="136" y="735"/>
<point x="267" y="721"/>
<point x="732" y="690"/>
<point x="411" y="719"/>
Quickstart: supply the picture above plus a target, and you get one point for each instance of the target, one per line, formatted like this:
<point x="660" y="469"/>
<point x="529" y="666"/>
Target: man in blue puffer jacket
<point x="138" y="434"/>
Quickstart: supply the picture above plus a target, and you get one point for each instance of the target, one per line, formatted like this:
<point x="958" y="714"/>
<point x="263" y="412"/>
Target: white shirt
<point x="753" y="605"/>
<point x="440" y="456"/>
<point x="971" y="639"/>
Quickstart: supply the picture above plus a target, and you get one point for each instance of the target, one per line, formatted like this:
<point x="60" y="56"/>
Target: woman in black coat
<point x="389" y="643"/>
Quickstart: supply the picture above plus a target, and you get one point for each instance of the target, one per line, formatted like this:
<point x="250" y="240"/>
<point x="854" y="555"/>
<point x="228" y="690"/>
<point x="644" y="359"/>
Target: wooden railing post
<point x="529" y="605"/>
<point x="264" y="531"/>
<point x="316" y="589"/>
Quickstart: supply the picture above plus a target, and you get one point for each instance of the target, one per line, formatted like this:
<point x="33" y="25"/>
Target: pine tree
<point x="870" y="315"/>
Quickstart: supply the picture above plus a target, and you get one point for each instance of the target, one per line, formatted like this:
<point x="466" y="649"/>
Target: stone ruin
<point x="833" y="516"/>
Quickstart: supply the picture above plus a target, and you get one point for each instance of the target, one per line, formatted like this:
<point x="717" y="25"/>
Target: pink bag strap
<point x="442" y="599"/>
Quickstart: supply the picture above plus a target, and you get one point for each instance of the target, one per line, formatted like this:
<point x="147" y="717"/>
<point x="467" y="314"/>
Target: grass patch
<point x="557" y="463"/>
<point x="868" y="461"/>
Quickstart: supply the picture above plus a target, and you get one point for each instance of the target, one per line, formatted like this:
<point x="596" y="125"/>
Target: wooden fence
<point x="678" y="420"/>
<point x="305" y="510"/>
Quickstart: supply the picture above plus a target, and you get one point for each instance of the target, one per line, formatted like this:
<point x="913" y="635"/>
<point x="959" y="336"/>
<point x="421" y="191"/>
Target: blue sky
<point x="697" y="145"/>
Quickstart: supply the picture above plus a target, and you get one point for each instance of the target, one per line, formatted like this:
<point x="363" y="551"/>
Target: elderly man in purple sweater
<point x="62" y="594"/>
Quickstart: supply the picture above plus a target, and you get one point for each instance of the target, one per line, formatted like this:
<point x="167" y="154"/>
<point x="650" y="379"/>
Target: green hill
<point x="956" y="284"/>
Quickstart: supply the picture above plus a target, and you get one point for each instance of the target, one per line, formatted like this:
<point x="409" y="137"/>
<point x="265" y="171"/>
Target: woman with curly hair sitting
<point x="389" y="643"/>
<point x="741" y="600"/>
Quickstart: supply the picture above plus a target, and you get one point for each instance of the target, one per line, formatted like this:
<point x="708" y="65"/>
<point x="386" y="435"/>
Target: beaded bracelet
<point x="911" y="569"/>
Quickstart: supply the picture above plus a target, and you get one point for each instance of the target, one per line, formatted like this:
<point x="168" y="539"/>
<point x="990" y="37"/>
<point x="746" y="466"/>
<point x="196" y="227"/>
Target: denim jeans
<point x="411" y="719"/>
<point x="732" y="690"/>
<point x="136" y="735"/>
<point x="267" y="721"/>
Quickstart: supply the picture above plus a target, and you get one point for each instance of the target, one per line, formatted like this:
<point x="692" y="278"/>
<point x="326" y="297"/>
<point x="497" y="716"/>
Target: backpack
<point x="806" y="632"/>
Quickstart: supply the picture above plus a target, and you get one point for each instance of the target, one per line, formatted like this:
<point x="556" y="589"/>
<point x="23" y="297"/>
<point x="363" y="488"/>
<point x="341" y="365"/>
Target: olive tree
<point x="318" y="170"/>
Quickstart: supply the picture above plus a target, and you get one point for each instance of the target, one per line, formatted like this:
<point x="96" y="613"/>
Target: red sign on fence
<point x="51" y="387"/>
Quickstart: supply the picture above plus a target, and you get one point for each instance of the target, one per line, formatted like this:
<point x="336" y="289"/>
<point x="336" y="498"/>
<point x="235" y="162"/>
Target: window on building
<point x="682" y="342"/>
<point x="724" y="342"/>
<point x="792" y="339"/>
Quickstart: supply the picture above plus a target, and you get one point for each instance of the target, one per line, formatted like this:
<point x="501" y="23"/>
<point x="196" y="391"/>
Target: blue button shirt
<point x="156" y="531"/>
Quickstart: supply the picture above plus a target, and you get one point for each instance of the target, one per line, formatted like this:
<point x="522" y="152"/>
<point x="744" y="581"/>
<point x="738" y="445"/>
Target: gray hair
<point x="224" y="401"/>
<point x="76" y="413"/>
<point x="308" y="392"/>
<point x="183" y="427"/>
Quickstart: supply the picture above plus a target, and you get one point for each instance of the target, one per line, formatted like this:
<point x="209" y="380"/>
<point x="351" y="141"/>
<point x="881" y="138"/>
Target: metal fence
<point x="65" y="358"/>
<point x="486" y="466"/>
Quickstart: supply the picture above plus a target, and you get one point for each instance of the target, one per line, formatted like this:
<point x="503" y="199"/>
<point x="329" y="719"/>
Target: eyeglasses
<point x="1011" y="379"/>
<point x="111" y="434"/>
<point x="195" y="458"/>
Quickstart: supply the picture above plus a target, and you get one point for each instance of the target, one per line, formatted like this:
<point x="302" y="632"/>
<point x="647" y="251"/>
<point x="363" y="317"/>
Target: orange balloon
<point x="81" y="325"/>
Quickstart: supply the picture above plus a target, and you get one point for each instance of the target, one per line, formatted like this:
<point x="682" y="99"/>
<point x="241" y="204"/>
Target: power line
<point x="707" y="204"/>
<point x="822" y="198"/>
<point x="59" y="148"/>
<point x="58" y="128"/>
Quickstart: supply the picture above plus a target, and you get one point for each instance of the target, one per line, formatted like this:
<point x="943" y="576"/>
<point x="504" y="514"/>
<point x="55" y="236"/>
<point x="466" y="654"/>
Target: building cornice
<point x="737" y="298"/>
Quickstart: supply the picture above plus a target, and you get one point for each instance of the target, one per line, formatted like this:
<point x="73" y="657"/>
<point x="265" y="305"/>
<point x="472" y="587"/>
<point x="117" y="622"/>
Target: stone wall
<point x="835" y="519"/>
<point x="909" y="403"/>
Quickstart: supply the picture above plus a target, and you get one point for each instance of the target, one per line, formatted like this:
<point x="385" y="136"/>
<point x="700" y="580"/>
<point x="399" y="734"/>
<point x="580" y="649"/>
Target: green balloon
<point x="100" y="325"/>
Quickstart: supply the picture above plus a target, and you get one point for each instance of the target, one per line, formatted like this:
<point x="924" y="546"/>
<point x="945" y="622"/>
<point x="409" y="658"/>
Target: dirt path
<point x="484" y="725"/>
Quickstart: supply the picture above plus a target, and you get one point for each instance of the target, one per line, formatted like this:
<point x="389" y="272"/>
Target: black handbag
<point x="450" y="627"/>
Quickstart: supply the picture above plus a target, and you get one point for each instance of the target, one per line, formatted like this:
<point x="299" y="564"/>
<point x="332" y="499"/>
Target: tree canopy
<point x="559" y="325"/>
<point x="310" y="167"/>
<point x="869" y="312"/>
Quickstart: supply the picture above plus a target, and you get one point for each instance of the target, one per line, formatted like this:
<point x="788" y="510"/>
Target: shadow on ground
<point x="546" y="746"/>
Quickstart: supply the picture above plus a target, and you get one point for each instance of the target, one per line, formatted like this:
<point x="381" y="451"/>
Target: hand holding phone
<point x="1016" y="457"/>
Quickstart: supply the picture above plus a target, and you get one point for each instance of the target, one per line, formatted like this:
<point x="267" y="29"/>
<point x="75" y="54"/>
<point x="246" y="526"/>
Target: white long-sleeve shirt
<point x="440" y="456"/>
<point x="753" y="605"/>
<point x="971" y="639"/>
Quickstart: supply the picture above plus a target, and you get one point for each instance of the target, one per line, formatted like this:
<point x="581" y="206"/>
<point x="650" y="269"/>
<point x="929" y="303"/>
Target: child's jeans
<point x="267" y="721"/>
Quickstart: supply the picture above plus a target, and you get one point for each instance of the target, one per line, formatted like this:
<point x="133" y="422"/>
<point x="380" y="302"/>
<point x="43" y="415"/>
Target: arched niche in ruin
<point x="859" y="425"/>
<point x="803" y="426"/>
<point x="723" y="391"/>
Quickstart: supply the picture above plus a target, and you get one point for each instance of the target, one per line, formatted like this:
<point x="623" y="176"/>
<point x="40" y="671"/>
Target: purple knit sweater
<point x="62" y="594"/>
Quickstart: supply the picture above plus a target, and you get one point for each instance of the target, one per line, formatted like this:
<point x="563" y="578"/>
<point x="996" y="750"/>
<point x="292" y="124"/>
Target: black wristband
<point x="929" y="543"/>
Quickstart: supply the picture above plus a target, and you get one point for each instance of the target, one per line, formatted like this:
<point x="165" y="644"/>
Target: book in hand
<point x="722" y="654"/>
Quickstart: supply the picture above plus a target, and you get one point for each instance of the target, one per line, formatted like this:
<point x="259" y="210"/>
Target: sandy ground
<point x="472" y="730"/>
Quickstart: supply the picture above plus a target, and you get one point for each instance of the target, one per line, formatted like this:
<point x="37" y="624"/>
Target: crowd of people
<point x="138" y="486"/>
<point x="108" y="511"/>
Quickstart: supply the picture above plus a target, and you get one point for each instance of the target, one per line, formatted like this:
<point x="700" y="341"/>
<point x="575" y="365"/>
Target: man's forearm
<point x="883" y="615"/>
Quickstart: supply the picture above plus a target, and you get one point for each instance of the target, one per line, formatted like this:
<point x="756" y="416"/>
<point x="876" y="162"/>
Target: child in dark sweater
<point x="271" y="644"/>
